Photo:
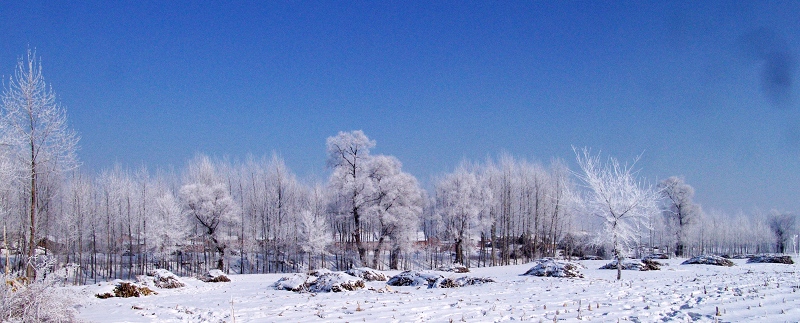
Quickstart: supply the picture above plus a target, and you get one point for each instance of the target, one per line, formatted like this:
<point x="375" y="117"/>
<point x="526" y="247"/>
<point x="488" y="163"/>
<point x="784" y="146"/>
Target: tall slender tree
<point x="41" y="142"/>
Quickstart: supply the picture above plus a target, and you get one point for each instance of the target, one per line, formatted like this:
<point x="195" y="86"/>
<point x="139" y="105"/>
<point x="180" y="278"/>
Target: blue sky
<point x="705" y="90"/>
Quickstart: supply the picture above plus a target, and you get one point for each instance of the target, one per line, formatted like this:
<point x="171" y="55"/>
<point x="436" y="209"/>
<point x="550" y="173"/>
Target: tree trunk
<point x="376" y="257"/>
<point x="29" y="270"/>
<point x="459" y="252"/>
<point x="394" y="258"/>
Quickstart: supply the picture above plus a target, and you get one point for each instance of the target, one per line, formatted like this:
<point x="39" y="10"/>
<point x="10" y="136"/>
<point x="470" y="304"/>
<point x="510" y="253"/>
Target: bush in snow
<point x="36" y="301"/>
<point x="294" y="283"/>
<point x="128" y="289"/>
<point x="635" y="264"/>
<point x="771" y="259"/>
<point x="166" y="279"/>
<point x="414" y="278"/>
<point x="327" y="282"/>
<point x="433" y="280"/>
<point x="459" y="282"/>
<point x="215" y="276"/>
<point x="708" y="260"/>
<point x="552" y="268"/>
<point x="456" y="268"/>
<point x="336" y="282"/>
<point x="367" y="274"/>
<point x="319" y="272"/>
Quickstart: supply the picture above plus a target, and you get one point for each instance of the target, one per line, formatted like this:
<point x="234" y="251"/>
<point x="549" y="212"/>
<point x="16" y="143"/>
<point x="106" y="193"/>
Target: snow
<point x="679" y="293"/>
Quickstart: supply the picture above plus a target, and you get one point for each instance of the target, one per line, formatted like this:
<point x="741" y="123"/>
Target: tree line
<point x="255" y="216"/>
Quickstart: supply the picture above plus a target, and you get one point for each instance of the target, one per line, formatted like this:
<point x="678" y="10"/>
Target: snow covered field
<point x="743" y="293"/>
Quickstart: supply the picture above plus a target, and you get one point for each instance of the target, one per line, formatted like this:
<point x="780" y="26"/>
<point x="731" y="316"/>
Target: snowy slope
<point x="745" y="292"/>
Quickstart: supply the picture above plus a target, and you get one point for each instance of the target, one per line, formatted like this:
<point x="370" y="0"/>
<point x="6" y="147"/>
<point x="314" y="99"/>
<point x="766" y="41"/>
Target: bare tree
<point x="36" y="128"/>
<point x="348" y="155"/>
<point x="397" y="209"/>
<point x="782" y="225"/>
<point x="208" y="202"/>
<point x="460" y="200"/>
<point x="618" y="198"/>
<point x="678" y="209"/>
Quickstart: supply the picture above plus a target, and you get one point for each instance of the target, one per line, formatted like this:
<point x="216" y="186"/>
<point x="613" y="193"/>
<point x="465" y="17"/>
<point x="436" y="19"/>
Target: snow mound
<point x="127" y="289"/>
<point x="414" y="278"/>
<point x="336" y="282"/>
<point x="434" y="280"/>
<point x="294" y="283"/>
<point x="367" y="274"/>
<point x="771" y="259"/>
<point x="327" y="282"/>
<point x="215" y="276"/>
<point x="635" y="264"/>
<point x="455" y="268"/>
<point x="553" y="268"/>
<point x="166" y="279"/>
<point x="708" y="260"/>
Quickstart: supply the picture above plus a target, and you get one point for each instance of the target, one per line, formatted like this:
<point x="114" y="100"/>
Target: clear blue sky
<point x="707" y="90"/>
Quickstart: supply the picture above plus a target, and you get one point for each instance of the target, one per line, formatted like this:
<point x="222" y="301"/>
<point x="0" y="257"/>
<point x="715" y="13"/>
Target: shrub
<point x="35" y="301"/>
<point x="367" y="274"/>
<point x="771" y="259"/>
<point x="215" y="276"/>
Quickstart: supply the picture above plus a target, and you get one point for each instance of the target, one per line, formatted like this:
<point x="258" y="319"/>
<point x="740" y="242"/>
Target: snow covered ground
<point x="743" y="293"/>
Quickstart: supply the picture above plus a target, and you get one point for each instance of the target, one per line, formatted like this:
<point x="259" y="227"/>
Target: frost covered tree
<point x="397" y="207"/>
<point x="169" y="225"/>
<point x="41" y="143"/>
<point x="678" y="209"/>
<point x="207" y="201"/>
<point x="782" y="225"/>
<point x="618" y="198"/>
<point x="314" y="235"/>
<point x="348" y="156"/>
<point x="460" y="200"/>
